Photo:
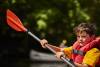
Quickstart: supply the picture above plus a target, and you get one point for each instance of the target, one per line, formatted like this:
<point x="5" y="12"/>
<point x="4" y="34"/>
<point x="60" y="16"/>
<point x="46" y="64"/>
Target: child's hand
<point x="59" y="55"/>
<point x="43" y="42"/>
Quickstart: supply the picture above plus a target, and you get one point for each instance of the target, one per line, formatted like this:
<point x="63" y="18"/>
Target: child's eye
<point x="78" y="36"/>
<point x="83" y="36"/>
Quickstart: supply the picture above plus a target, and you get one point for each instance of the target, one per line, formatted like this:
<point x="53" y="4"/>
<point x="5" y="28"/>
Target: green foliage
<point x="55" y="19"/>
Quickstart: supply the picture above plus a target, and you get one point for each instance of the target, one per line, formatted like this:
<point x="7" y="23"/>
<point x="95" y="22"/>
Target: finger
<point x="57" y="58"/>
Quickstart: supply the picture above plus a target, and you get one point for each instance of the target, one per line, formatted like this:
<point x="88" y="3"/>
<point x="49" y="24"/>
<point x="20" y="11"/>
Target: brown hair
<point x="89" y="28"/>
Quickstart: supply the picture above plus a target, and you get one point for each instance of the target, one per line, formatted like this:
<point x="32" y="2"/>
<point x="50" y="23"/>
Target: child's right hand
<point x="43" y="42"/>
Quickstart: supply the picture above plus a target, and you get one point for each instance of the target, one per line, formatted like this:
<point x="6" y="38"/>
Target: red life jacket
<point x="80" y="51"/>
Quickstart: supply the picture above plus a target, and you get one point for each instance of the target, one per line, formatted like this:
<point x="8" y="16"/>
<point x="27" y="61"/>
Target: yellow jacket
<point x="91" y="57"/>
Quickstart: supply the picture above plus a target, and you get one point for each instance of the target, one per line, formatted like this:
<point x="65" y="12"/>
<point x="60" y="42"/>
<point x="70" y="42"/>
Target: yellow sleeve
<point x="92" y="57"/>
<point x="68" y="51"/>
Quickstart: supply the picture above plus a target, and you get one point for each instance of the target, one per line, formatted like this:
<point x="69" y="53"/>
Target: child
<point x="85" y="51"/>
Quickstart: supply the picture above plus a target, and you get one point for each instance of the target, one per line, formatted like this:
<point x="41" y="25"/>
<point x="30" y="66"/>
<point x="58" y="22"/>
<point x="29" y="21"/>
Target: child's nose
<point x="80" y="39"/>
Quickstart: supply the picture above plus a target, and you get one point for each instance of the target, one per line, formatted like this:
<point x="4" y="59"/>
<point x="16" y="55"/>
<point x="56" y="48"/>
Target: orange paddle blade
<point x="14" y="22"/>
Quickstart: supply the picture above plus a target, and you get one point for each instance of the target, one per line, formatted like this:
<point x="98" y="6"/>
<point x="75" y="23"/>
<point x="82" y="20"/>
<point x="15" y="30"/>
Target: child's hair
<point x="89" y="28"/>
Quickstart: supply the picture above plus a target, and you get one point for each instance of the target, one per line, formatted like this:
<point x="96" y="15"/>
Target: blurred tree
<point x="55" y="19"/>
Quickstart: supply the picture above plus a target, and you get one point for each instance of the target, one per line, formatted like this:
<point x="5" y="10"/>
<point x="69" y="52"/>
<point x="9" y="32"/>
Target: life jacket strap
<point x="78" y="52"/>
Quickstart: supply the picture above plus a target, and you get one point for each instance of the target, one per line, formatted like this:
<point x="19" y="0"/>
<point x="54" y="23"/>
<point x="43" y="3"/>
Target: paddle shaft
<point x="14" y="22"/>
<point x="35" y="37"/>
<point x="67" y="60"/>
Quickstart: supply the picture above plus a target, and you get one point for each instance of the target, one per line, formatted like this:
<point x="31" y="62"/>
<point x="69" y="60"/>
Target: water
<point x="21" y="61"/>
<point x="48" y="65"/>
<point x="45" y="60"/>
<point x="28" y="63"/>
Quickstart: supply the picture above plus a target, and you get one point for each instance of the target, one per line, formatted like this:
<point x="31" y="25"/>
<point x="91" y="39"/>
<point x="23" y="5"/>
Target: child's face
<point x="82" y="37"/>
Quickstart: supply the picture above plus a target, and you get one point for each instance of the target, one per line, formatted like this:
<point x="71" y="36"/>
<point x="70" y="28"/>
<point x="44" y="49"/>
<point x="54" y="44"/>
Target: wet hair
<point x="89" y="28"/>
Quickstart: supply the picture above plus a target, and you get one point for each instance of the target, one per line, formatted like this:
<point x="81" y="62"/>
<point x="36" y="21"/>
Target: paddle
<point x="14" y="22"/>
